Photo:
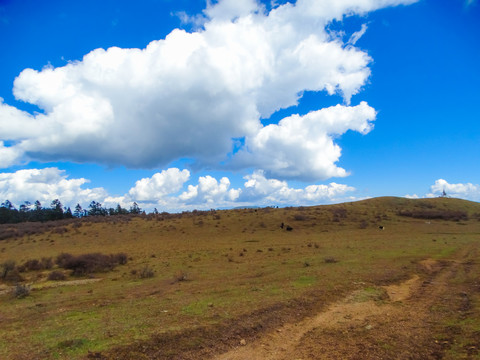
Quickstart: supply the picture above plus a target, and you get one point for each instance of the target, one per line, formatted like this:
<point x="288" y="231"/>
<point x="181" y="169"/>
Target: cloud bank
<point x="168" y="190"/>
<point x="190" y="94"/>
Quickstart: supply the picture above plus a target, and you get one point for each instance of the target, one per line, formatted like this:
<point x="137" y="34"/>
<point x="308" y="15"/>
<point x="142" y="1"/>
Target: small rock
<point x="243" y="342"/>
<point x="369" y="327"/>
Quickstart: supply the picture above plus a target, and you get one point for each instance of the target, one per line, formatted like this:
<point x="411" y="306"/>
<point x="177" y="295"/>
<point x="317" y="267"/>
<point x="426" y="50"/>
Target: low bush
<point x="90" y="263"/>
<point x="435" y="214"/>
<point x="6" y="267"/>
<point x="63" y="258"/>
<point x="120" y="258"/>
<point x="21" y="291"/>
<point x="56" y="276"/>
<point x="300" y="217"/>
<point x="9" y="272"/>
<point x="146" y="272"/>
<point x="32" y="265"/>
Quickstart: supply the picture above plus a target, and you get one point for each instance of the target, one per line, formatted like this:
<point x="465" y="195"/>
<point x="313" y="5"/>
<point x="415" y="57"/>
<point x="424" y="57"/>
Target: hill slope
<point x="196" y="284"/>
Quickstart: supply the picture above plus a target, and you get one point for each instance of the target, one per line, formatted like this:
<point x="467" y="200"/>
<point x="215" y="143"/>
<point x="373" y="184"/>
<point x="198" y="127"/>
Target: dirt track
<point x="401" y="321"/>
<point x="399" y="326"/>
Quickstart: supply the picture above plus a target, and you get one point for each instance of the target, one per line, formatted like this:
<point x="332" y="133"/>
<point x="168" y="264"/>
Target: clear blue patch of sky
<point x="423" y="80"/>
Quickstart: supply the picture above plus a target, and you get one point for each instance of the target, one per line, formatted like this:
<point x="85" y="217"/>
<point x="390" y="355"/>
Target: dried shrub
<point x="47" y="263"/>
<point x="5" y="268"/>
<point x="300" y="217"/>
<point x="56" y="276"/>
<point x="32" y="265"/>
<point x="363" y="224"/>
<point x="330" y="260"/>
<point x="63" y="258"/>
<point x="339" y="212"/>
<point x="90" y="263"/>
<point x="435" y="214"/>
<point x="120" y="258"/>
<point x="146" y="272"/>
<point x="14" y="276"/>
<point x="21" y="291"/>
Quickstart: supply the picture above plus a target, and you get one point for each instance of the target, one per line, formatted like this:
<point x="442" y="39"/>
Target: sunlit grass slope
<point x="209" y="267"/>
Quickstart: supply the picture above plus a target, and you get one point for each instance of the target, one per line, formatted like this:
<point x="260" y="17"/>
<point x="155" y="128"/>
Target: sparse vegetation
<point x="145" y="273"/>
<point x="21" y="291"/>
<point x="90" y="263"/>
<point x="56" y="276"/>
<point x="435" y="214"/>
<point x="209" y="286"/>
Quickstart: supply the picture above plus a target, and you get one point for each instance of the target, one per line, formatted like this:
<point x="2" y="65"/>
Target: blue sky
<point x="194" y="105"/>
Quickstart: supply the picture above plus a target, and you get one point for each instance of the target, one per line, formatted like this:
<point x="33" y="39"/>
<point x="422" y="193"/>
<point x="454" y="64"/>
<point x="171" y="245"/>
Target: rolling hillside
<point x="200" y="284"/>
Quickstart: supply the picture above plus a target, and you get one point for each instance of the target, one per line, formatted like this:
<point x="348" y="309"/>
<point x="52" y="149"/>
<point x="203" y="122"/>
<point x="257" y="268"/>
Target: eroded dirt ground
<point x="432" y="315"/>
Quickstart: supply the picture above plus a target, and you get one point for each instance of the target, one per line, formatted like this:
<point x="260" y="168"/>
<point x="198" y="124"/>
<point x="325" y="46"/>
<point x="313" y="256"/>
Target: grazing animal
<point x="282" y="226"/>
<point x="289" y="228"/>
<point x="381" y="227"/>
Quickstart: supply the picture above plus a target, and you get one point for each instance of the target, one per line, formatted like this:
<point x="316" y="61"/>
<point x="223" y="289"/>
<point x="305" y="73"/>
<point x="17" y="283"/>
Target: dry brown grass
<point x="225" y="265"/>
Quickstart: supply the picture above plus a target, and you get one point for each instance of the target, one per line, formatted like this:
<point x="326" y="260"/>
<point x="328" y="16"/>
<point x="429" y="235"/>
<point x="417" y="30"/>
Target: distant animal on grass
<point x="381" y="227"/>
<point x="289" y="228"/>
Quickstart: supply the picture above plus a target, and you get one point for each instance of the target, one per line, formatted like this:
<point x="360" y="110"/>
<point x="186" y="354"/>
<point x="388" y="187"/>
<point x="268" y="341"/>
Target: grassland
<point x="221" y="276"/>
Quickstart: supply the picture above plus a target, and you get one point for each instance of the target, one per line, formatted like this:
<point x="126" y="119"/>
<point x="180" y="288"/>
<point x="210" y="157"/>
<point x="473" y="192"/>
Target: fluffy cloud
<point x="303" y="146"/>
<point x="257" y="190"/>
<point x="166" y="191"/>
<point x="414" y="196"/>
<point x="464" y="191"/>
<point x="260" y="190"/>
<point x="190" y="94"/>
<point x="46" y="185"/>
<point x="159" y="185"/>
<point x="209" y="191"/>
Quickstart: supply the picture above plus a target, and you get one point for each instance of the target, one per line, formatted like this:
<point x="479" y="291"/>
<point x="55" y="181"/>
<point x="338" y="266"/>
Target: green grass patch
<point x="305" y="281"/>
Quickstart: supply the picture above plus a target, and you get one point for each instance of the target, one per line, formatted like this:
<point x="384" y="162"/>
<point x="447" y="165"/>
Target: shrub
<point x="300" y="217"/>
<point x="32" y="265"/>
<point x="56" y="276"/>
<point x="90" y="263"/>
<point x="6" y="267"/>
<point x="20" y="291"/>
<point x="47" y="263"/>
<point x="146" y="272"/>
<point x="63" y="258"/>
<point x="363" y="224"/>
<point x="330" y="260"/>
<point x="14" y="276"/>
<point x="435" y="214"/>
<point x="120" y="258"/>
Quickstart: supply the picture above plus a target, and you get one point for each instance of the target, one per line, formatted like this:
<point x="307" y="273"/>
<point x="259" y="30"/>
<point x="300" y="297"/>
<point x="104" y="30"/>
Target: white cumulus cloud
<point x="260" y="190"/>
<point x="167" y="191"/>
<point x="466" y="191"/>
<point x="190" y="94"/>
<point x="159" y="185"/>
<point x="46" y="185"/>
<point x="303" y="147"/>
<point x="209" y="191"/>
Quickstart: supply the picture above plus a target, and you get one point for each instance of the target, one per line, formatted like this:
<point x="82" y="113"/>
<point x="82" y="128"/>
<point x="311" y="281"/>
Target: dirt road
<point x="367" y="324"/>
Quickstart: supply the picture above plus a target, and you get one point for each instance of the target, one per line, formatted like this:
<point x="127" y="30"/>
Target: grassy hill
<point x="194" y="283"/>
